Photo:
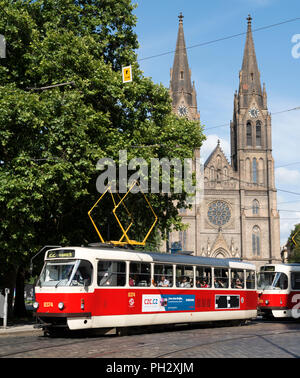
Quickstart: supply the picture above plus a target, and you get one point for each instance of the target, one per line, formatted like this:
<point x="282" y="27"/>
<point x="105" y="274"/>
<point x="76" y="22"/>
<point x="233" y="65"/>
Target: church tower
<point x="238" y="216"/>
<point x="184" y="103"/>
<point x="251" y="103"/>
<point x="252" y="162"/>
<point x="182" y="91"/>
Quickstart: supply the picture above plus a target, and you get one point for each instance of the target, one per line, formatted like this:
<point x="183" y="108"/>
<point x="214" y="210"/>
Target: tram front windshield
<point x="66" y="273"/>
<point x="272" y="281"/>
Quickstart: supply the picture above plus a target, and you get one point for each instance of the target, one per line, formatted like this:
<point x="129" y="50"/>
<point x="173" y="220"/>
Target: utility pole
<point x="5" y="308"/>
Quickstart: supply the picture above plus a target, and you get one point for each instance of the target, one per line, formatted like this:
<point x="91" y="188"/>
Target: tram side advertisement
<point x="167" y="302"/>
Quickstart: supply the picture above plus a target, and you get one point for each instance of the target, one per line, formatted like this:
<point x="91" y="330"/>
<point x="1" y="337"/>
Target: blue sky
<point x="215" y="70"/>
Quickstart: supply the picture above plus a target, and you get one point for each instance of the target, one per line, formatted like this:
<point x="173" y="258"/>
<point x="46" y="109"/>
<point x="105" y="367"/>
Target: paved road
<point x="258" y="339"/>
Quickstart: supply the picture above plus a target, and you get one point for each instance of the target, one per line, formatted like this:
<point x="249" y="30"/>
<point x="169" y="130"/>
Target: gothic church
<point x="238" y="216"/>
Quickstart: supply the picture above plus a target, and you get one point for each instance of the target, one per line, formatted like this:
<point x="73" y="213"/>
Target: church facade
<point x="238" y="216"/>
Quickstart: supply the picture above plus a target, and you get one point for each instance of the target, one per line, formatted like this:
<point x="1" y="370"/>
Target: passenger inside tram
<point x="185" y="282"/>
<point x="218" y="283"/>
<point x="238" y="284"/>
<point x="164" y="282"/>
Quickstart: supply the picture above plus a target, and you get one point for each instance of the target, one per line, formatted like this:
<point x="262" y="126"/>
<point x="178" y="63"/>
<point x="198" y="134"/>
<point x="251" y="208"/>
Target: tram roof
<point x="188" y="259"/>
<point x="164" y="257"/>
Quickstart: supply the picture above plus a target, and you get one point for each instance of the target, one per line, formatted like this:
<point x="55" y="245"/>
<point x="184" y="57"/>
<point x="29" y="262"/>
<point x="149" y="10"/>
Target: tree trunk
<point x="19" y="306"/>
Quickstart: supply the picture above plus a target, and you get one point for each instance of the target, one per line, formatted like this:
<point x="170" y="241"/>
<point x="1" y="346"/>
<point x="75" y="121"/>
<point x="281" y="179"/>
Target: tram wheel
<point x="122" y="331"/>
<point x="54" y="332"/>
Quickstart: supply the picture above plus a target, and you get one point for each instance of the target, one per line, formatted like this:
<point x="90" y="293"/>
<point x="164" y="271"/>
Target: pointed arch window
<point x="261" y="171"/>
<point x="256" y="241"/>
<point x="255" y="207"/>
<point x="258" y="134"/>
<point x="254" y="171"/>
<point x="212" y="174"/>
<point x="249" y="133"/>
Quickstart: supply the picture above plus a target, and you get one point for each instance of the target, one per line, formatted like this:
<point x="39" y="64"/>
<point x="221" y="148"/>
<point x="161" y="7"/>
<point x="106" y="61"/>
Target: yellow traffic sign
<point x="294" y="238"/>
<point x="127" y="74"/>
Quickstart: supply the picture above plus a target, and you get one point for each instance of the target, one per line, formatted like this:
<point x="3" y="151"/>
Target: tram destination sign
<point x="61" y="253"/>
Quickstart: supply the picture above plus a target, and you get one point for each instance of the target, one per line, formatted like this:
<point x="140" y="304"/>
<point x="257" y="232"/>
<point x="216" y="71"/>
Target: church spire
<point x="182" y="90"/>
<point x="180" y="74"/>
<point x="249" y="74"/>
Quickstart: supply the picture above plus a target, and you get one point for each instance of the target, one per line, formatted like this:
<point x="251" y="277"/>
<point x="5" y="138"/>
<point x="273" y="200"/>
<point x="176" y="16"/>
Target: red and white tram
<point x="106" y="287"/>
<point x="279" y="290"/>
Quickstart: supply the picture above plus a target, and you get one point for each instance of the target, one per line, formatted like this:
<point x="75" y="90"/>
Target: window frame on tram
<point x="252" y="282"/>
<point x="112" y="274"/>
<point x="183" y="277"/>
<point x="81" y="272"/>
<point x="135" y="276"/>
<point x="206" y="274"/>
<point x="223" y="277"/>
<point x="279" y="280"/>
<point x="237" y="274"/>
<point x="168" y="276"/>
<point x="203" y="274"/>
<point x="276" y="277"/>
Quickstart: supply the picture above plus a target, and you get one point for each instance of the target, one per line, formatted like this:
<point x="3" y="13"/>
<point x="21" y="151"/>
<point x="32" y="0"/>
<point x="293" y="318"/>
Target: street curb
<point x="18" y="330"/>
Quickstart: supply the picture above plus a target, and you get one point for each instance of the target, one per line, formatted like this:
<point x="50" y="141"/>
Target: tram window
<point x="58" y="273"/>
<point x="184" y="276"/>
<point x="250" y="279"/>
<point x="296" y="280"/>
<point x="272" y="281"/>
<point x="237" y="279"/>
<point x="203" y="276"/>
<point x="163" y="275"/>
<point x="281" y="281"/>
<point x="111" y="273"/>
<point x="265" y="280"/>
<point x="83" y="274"/>
<point x="139" y="274"/>
<point x="220" y="278"/>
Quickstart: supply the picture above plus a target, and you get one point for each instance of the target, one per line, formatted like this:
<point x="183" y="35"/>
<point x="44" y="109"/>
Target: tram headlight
<point x="35" y="305"/>
<point x="61" y="305"/>
<point x="267" y="302"/>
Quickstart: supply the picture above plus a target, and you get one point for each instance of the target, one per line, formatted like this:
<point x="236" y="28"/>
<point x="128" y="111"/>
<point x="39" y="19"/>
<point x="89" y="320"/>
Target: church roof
<point x="217" y="150"/>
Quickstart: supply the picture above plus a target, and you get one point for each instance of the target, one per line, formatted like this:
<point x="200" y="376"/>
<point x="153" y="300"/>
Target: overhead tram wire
<point x="274" y="113"/>
<point x="223" y="39"/>
<point x="220" y="39"/>
<point x="262" y="185"/>
<point x="215" y="127"/>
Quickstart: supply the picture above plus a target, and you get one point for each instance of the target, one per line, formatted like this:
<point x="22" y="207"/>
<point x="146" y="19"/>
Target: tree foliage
<point x="294" y="244"/>
<point x="51" y="140"/>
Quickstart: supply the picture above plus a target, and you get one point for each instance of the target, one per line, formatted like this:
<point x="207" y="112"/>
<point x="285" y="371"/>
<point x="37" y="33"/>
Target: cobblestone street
<point x="255" y="340"/>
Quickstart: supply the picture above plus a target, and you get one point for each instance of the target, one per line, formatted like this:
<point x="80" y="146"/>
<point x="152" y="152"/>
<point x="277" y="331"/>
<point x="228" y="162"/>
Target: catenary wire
<point x="220" y="39"/>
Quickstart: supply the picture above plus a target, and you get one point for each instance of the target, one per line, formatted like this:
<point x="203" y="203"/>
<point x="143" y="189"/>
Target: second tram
<point x="105" y="287"/>
<point x="279" y="290"/>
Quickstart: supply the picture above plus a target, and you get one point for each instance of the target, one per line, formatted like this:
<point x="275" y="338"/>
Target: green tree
<point x="51" y="140"/>
<point x="294" y="245"/>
